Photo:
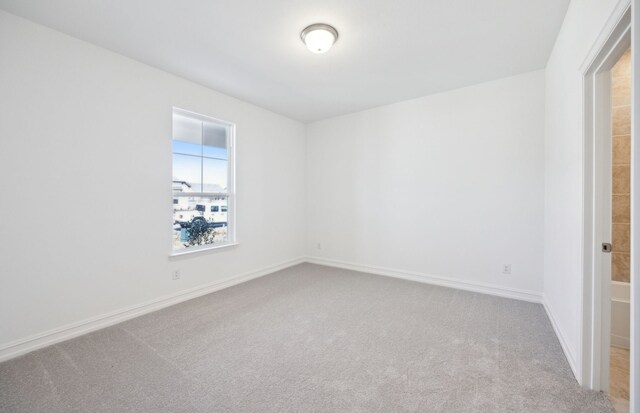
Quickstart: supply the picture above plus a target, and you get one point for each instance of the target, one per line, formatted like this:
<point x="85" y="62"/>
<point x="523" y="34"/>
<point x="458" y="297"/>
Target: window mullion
<point x="201" y="156"/>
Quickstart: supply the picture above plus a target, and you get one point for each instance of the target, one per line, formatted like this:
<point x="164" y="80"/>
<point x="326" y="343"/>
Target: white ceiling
<point x="388" y="50"/>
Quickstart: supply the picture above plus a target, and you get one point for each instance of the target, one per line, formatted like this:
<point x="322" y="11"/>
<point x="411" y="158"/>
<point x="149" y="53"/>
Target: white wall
<point x="563" y="170"/>
<point x="448" y="185"/>
<point x="84" y="135"/>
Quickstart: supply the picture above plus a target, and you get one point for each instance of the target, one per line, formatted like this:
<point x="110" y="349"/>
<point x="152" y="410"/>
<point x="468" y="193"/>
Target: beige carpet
<point x="310" y="338"/>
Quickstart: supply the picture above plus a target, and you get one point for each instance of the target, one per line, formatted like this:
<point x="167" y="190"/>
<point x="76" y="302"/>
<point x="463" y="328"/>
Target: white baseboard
<point x="517" y="294"/>
<point x="483" y="288"/>
<point x="23" y="346"/>
<point x="563" y="342"/>
<point x="478" y="287"/>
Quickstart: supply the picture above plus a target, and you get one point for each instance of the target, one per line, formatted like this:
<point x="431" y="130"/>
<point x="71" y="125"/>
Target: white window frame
<point x="231" y="186"/>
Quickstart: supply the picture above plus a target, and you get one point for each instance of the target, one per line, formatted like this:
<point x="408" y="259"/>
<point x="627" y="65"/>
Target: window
<point x="203" y="182"/>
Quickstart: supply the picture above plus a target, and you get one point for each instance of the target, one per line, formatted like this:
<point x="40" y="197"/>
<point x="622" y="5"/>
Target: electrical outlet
<point x="176" y="274"/>
<point x="506" y="268"/>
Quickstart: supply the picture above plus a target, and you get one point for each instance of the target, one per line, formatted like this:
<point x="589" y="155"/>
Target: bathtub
<point x="620" y="313"/>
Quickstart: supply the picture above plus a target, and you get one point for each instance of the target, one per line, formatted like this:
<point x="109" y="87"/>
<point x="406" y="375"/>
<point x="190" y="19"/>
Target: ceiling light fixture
<point x="319" y="37"/>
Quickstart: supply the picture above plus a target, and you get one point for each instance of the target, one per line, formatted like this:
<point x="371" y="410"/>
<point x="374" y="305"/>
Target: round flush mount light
<point x="319" y="37"/>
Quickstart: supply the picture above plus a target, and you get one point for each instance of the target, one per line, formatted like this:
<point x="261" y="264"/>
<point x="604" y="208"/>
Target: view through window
<point x="202" y="181"/>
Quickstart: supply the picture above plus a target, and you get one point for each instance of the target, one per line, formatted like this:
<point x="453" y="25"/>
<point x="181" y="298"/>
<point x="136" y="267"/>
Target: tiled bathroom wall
<point x="621" y="152"/>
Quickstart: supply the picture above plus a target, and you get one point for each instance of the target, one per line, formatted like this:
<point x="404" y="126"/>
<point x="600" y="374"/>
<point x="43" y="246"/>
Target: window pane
<point x="186" y="172"/>
<point x="214" y="140"/>
<point x="214" y="152"/>
<point x="200" y="165"/>
<point x="187" y="148"/>
<point x="214" y="175"/>
<point x="187" y="135"/>
<point x="199" y="221"/>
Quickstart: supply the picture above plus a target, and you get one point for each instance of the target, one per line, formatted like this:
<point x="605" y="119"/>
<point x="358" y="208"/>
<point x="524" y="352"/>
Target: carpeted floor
<point x="310" y="338"/>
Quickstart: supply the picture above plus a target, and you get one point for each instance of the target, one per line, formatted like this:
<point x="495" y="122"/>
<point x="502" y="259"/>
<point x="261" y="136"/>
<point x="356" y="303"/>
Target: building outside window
<point x="203" y="182"/>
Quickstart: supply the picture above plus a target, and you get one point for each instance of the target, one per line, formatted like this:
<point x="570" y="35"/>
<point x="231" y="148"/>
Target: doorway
<point x="606" y="213"/>
<point x="620" y="230"/>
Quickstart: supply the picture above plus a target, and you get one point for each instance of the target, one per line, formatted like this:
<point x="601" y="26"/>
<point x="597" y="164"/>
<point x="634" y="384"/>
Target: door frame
<point x="596" y="283"/>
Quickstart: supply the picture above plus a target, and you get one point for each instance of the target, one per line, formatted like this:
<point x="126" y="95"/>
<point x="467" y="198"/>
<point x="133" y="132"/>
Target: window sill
<point x="203" y="249"/>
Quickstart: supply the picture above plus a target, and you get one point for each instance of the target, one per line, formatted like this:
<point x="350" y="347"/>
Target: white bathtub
<point x="620" y="314"/>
